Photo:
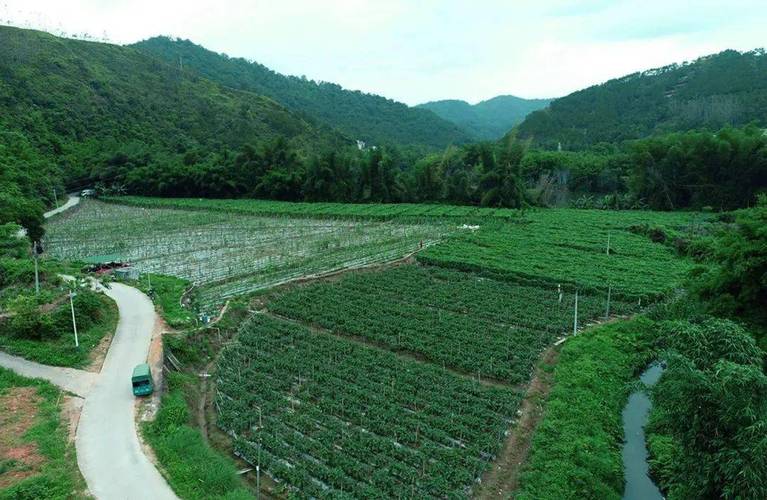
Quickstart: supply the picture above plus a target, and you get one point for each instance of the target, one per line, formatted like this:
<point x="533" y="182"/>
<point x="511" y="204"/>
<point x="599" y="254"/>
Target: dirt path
<point x="18" y="412"/>
<point x="501" y="481"/>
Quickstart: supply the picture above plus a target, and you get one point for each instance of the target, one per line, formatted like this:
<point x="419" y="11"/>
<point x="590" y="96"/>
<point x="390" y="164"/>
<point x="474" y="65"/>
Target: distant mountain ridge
<point x="728" y="88"/>
<point x="371" y="118"/>
<point x="489" y="119"/>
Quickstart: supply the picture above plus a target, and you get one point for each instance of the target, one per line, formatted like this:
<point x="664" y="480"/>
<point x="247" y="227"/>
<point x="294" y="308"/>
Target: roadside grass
<point x="193" y="469"/>
<point x="58" y="477"/>
<point x="60" y="350"/>
<point x="576" y="450"/>
<point x="166" y="292"/>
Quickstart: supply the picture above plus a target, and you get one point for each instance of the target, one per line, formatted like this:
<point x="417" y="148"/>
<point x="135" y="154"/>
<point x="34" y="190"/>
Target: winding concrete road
<point x="71" y="202"/>
<point x="77" y="382"/>
<point x="108" y="450"/>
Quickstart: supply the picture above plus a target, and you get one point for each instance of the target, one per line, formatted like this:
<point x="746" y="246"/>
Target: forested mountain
<point x="729" y="88"/>
<point x="79" y="112"/>
<point x="489" y="119"/>
<point x="79" y="103"/>
<point x="367" y="117"/>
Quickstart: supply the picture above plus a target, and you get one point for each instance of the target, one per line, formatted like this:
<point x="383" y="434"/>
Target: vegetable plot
<point x="331" y="418"/>
<point x="318" y="209"/>
<point x="571" y="246"/>
<point x="478" y="326"/>
<point x="224" y="254"/>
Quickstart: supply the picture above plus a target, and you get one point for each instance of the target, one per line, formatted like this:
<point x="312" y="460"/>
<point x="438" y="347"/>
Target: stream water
<point x="639" y="486"/>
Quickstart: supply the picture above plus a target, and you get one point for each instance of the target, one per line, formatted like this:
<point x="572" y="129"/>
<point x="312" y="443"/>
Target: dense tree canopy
<point x="360" y="116"/>
<point x="736" y="285"/>
<point x="711" y="416"/>
<point x="85" y="113"/>
<point x="724" y="170"/>
<point x="729" y="88"/>
<point x="27" y="183"/>
<point x="77" y="103"/>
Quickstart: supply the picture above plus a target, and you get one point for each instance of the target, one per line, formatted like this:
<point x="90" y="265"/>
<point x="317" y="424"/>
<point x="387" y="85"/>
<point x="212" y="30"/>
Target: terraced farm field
<point x="478" y="326"/>
<point x="385" y="211"/>
<point x="227" y="254"/>
<point x="400" y="382"/>
<point x="333" y="419"/>
<point x="571" y="246"/>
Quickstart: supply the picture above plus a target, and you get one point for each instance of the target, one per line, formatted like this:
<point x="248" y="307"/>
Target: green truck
<point x="142" y="380"/>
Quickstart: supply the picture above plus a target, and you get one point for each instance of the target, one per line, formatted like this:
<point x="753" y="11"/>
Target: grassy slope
<point x="166" y="293"/>
<point x="59" y="477"/>
<point x="61" y="351"/>
<point x="193" y="468"/>
<point x="576" y="451"/>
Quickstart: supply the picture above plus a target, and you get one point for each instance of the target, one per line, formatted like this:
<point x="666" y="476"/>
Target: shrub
<point x="28" y="322"/>
<point x="709" y="425"/>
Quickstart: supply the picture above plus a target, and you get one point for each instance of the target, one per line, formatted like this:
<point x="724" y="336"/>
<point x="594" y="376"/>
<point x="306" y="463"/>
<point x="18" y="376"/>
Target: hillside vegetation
<point x="84" y="106"/>
<point x="729" y="88"/>
<point x="367" y="117"/>
<point x="489" y="119"/>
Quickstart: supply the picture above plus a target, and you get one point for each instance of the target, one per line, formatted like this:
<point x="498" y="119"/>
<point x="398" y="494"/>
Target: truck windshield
<point x="140" y="383"/>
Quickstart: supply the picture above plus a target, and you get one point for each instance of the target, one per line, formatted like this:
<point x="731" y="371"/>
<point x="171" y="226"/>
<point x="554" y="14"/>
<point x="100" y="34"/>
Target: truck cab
<point x="142" y="380"/>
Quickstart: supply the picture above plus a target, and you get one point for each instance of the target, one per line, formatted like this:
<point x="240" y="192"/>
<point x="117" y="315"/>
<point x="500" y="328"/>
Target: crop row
<point x="591" y="250"/>
<point x="332" y="418"/>
<point x="303" y="209"/>
<point x="225" y="254"/>
<point x="478" y="326"/>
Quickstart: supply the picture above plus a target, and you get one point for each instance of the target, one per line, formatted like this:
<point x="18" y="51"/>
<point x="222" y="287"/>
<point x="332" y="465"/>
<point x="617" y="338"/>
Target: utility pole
<point x="55" y="198"/>
<point x="258" y="468"/>
<point x="608" y="242"/>
<point x="37" y="273"/>
<point x="258" y="481"/>
<point x="575" y="318"/>
<point x="72" y="295"/>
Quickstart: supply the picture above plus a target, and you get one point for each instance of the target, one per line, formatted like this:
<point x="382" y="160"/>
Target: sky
<point x="422" y="50"/>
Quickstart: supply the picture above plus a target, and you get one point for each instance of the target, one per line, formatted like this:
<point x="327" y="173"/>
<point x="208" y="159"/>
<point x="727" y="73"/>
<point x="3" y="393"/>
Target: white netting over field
<point x="229" y="254"/>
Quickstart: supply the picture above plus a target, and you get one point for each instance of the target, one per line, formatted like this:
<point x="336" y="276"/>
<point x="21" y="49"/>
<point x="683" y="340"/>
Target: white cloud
<point x="431" y="49"/>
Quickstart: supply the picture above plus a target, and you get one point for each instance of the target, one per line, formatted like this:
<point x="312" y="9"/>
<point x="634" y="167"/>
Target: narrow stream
<point x="639" y="486"/>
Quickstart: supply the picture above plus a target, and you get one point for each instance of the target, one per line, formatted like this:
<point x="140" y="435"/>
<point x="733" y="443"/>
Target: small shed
<point x="127" y="273"/>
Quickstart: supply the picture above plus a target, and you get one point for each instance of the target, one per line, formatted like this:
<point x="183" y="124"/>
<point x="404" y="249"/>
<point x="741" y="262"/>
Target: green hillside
<point x="489" y="119"/>
<point x="367" y="117"/>
<point x="729" y="88"/>
<point x="82" y="105"/>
